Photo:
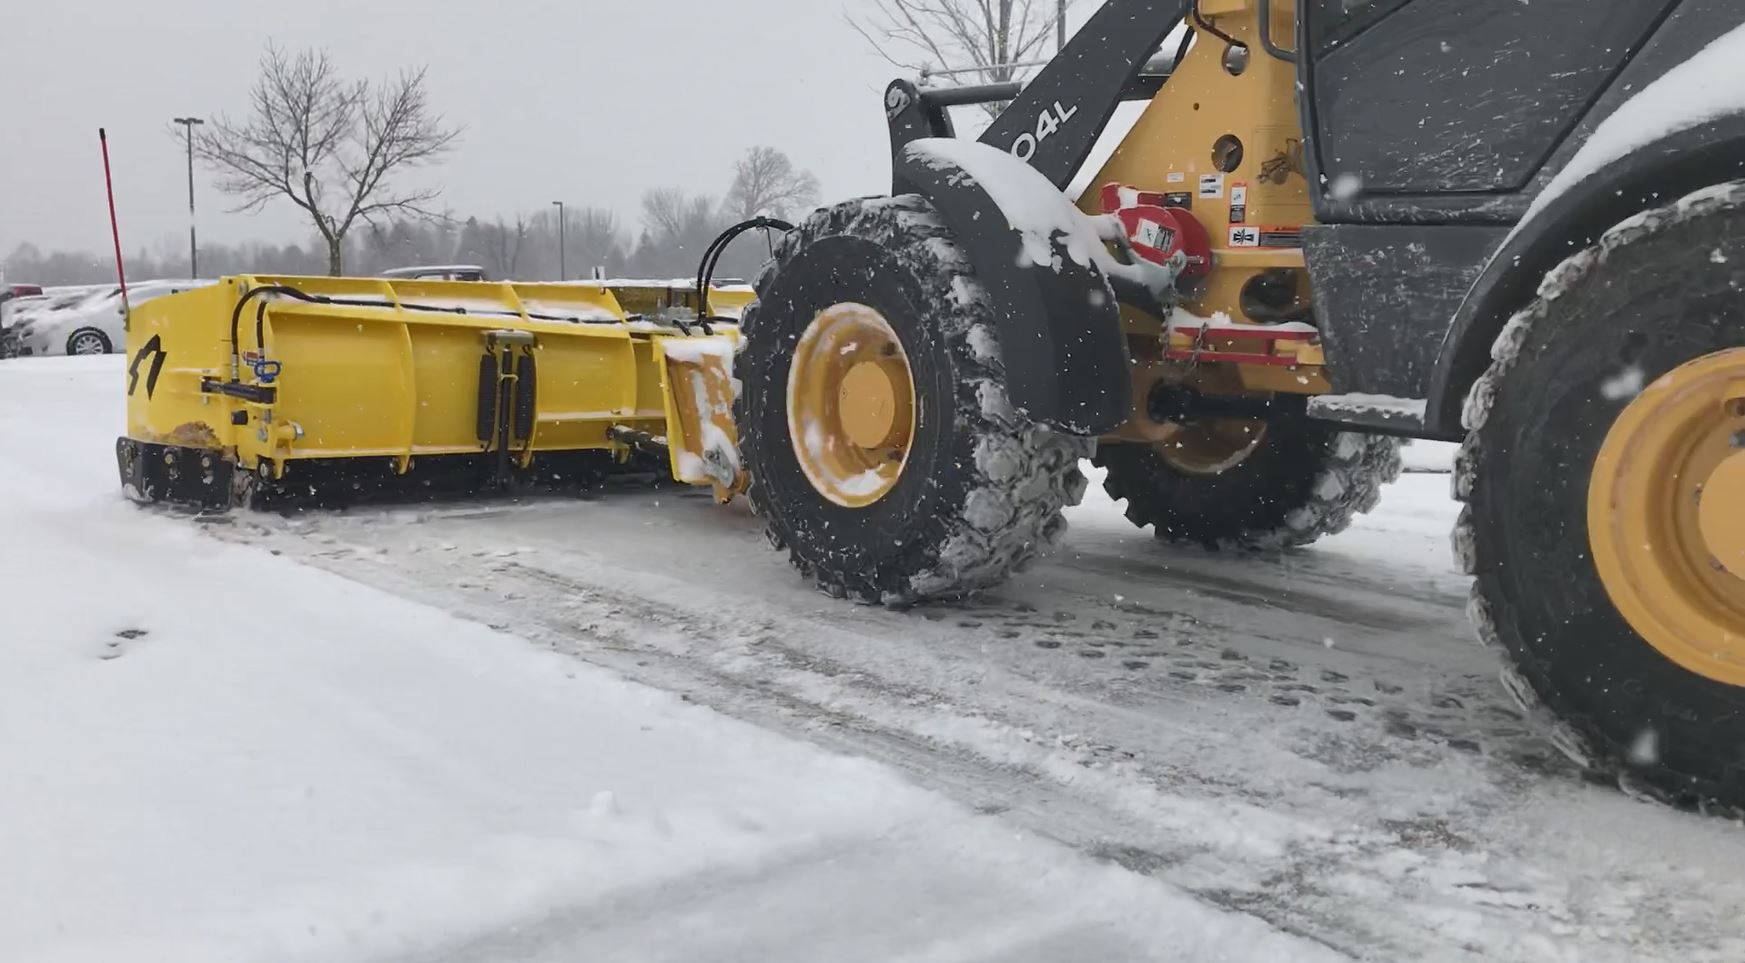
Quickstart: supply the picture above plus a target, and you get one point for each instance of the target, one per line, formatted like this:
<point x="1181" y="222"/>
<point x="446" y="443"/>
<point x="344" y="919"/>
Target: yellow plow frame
<point x="278" y="381"/>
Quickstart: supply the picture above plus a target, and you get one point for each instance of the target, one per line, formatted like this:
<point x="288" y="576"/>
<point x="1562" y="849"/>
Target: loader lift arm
<point x="1063" y="351"/>
<point x="1106" y="63"/>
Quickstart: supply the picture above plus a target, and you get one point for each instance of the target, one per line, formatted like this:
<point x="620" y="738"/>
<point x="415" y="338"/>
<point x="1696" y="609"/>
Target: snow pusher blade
<point x="259" y="389"/>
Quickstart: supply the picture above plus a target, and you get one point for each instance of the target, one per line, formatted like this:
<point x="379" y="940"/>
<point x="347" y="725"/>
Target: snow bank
<point x="213" y="753"/>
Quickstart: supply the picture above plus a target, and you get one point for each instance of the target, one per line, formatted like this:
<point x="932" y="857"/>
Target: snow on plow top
<point x="1708" y="85"/>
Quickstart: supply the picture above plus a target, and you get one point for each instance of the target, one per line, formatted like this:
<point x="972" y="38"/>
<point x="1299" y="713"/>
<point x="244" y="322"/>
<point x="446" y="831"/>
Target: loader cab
<point x="1436" y="130"/>
<point x="1453" y="111"/>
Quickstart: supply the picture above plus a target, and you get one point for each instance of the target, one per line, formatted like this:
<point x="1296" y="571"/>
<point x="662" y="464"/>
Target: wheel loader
<point x="1333" y="225"/>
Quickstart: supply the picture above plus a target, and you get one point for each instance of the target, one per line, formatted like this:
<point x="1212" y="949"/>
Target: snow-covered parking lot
<point x="616" y="728"/>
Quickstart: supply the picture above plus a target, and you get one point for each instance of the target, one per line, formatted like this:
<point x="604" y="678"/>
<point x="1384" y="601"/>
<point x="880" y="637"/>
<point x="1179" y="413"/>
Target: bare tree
<point x="676" y="228"/>
<point x="596" y="238"/>
<point x="331" y="146"/>
<point x="765" y="181"/>
<point x="993" y="36"/>
<point x="668" y="213"/>
<point x="504" y="242"/>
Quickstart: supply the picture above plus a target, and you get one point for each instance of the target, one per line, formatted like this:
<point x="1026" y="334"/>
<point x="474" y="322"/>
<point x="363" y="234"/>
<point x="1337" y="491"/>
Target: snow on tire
<point x="981" y="492"/>
<point x="1301" y="482"/>
<point x="1654" y="292"/>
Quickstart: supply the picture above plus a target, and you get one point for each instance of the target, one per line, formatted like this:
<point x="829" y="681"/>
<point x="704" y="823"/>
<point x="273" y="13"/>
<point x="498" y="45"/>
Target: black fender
<point x="1661" y="172"/>
<point x="1061" y="345"/>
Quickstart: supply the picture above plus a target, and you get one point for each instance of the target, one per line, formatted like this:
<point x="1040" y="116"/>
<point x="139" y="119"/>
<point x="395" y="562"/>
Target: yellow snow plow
<point x="265" y="388"/>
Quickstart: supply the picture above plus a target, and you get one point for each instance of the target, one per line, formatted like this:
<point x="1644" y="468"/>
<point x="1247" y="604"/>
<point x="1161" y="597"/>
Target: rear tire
<point x="88" y="341"/>
<point x="1302" y="481"/>
<point x="1658" y="291"/>
<point x="981" y="491"/>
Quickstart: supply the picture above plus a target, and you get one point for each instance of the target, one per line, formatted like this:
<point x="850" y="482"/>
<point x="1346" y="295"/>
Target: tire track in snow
<point x="1218" y="765"/>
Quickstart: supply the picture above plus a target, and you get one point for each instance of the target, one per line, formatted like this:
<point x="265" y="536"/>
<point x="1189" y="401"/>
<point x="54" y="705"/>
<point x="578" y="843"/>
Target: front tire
<point x="88" y="341"/>
<point x="980" y="489"/>
<point x="1616" y="327"/>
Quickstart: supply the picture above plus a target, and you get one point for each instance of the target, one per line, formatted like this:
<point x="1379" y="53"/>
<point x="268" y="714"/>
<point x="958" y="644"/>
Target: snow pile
<point x="1708" y="85"/>
<point x="694" y="350"/>
<point x="213" y="753"/>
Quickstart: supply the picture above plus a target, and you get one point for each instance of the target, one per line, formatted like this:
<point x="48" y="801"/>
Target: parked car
<point x="10" y="297"/>
<point x="11" y="303"/>
<point x="11" y="292"/>
<point x="17" y="303"/>
<point x="440" y="272"/>
<point x="88" y="322"/>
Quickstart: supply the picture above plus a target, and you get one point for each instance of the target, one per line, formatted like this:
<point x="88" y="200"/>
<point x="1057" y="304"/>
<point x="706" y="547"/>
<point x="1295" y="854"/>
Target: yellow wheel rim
<point x="851" y="405"/>
<point x="1211" y="447"/>
<point x="1666" y="515"/>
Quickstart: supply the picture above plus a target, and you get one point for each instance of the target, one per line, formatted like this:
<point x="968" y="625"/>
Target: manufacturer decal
<point x="1155" y="236"/>
<point x="1047" y="126"/>
<point x="1211" y="185"/>
<point x="1177" y="177"/>
<point x="153" y="349"/>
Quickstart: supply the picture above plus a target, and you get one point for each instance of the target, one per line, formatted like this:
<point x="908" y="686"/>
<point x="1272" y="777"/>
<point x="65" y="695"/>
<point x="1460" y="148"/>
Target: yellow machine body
<point x="407" y="371"/>
<point x="1232" y="142"/>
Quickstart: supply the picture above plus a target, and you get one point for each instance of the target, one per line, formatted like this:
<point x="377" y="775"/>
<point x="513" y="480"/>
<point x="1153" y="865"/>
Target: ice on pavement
<point x="213" y="753"/>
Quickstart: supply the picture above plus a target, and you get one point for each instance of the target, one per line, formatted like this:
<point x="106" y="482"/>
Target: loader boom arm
<point x="1052" y="122"/>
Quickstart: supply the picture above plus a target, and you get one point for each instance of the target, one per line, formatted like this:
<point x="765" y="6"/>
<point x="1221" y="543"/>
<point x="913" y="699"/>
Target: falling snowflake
<point x="1645" y="751"/>
<point x="1623" y="385"/>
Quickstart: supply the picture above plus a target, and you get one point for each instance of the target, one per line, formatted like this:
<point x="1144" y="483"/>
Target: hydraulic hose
<point x="718" y="247"/>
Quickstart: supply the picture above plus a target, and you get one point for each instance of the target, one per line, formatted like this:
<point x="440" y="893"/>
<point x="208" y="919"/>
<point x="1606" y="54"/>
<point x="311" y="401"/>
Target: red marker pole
<point x="114" y="225"/>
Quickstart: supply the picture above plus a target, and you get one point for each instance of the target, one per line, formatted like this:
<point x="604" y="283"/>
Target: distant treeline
<point x="678" y="228"/>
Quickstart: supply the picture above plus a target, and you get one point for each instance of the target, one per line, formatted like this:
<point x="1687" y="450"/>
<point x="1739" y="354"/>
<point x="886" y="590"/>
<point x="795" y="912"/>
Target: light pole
<point x="189" y="123"/>
<point x="562" y="268"/>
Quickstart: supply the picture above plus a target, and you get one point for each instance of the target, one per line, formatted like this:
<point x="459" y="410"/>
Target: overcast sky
<point x="588" y="101"/>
